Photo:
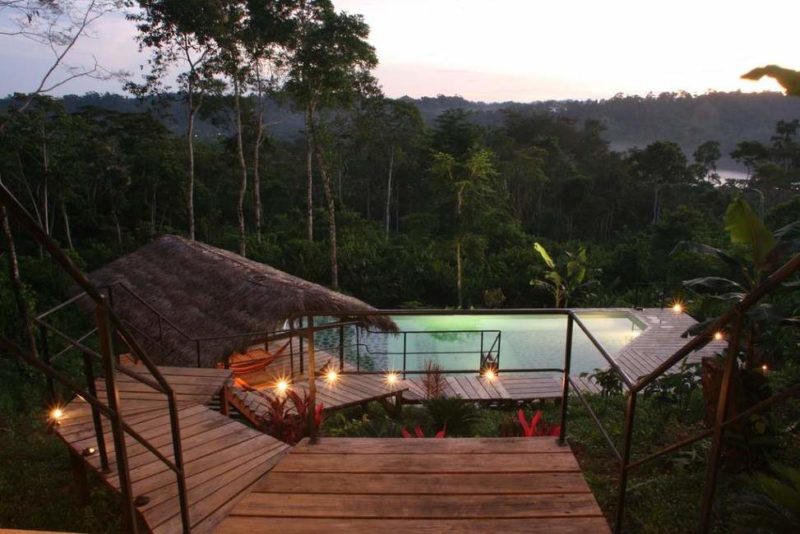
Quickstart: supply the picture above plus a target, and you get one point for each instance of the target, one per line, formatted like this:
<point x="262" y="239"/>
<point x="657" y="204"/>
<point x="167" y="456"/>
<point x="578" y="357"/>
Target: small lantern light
<point x="56" y="415"/>
<point x="489" y="373"/>
<point x="282" y="386"/>
<point x="391" y="378"/>
<point x="677" y="307"/>
<point x="331" y="376"/>
<point x="719" y="336"/>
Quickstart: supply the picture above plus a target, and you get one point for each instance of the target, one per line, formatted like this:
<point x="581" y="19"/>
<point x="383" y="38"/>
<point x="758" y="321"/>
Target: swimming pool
<point x="455" y="342"/>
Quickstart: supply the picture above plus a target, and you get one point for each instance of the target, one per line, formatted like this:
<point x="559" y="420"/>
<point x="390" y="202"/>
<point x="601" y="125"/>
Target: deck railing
<point x="109" y="328"/>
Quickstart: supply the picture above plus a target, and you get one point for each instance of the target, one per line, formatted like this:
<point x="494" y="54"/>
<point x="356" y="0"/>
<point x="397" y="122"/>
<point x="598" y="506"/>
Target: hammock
<point x="259" y="364"/>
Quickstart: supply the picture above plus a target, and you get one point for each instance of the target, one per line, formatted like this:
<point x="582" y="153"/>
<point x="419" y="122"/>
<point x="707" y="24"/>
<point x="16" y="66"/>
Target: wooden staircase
<point x="222" y="457"/>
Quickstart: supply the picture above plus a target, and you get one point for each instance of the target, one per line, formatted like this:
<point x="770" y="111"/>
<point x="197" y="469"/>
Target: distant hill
<point x="630" y="120"/>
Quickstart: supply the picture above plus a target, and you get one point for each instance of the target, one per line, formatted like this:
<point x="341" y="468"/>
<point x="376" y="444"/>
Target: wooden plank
<point x="428" y="463"/>
<point x="516" y="445"/>
<point x="200" y="465"/>
<point x="235" y="524"/>
<point x="285" y="483"/>
<point x="413" y="507"/>
<point x="458" y="390"/>
<point x="467" y="385"/>
<point x="205" y="497"/>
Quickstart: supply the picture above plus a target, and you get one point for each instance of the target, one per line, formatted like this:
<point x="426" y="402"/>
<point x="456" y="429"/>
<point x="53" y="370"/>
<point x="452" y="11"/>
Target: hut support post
<point x="312" y="380"/>
<point x="79" y="476"/>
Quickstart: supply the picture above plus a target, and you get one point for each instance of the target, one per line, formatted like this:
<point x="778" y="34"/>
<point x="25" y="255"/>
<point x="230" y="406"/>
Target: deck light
<point x="764" y="368"/>
<point x="490" y="374"/>
<point x="677" y="307"/>
<point x="718" y="336"/>
<point x="56" y="415"/>
<point x="88" y="451"/>
<point x="282" y="386"/>
<point x="391" y="378"/>
<point x="331" y="376"/>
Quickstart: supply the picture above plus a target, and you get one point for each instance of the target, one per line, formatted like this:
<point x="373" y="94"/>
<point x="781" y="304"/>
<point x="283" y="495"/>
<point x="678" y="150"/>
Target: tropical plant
<point x="609" y="381"/>
<point x="453" y="413"/>
<point x="568" y="280"/>
<point x="536" y="426"/>
<point x="676" y="388"/>
<point x="771" y="503"/>
<point x="289" y="423"/>
<point x="419" y="433"/>
<point x="759" y="253"/>
<point x="433" y="381"/>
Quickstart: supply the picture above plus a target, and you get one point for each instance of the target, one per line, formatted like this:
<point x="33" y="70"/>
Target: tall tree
<point x="330" y="67"/>
<point x="181" y="33"/>
<point x="468" y="176"/>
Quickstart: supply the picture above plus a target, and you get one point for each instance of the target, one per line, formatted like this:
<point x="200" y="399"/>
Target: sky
<point x="511" y="50"/>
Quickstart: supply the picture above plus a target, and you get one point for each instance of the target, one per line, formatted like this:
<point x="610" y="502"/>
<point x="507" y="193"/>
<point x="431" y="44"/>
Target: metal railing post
<point x="291" y="347"/>
<point x="302" y="350"/>
<point x="565" y="388"/>
<point x="341" y="347"/>
<point x="312" y="381"/>
<point x="105" y="334"/>
<point x="51" y="391"/>
<point x="719" y="429"/>
<point x="88" y="371"/>
<point x="630" y="413"/>
<point x="405" y="340"/>
<point x="497" y="360"/>
<point x="197" y="349"/>
<point x="358" y="349"/>
<point x="480" y="363"/>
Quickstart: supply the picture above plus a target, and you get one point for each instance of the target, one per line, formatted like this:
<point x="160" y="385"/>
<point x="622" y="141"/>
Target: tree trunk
<point x="190" y="186"/>
<point x="329" y="199"/>
<point x="458" y="273"/>
<point x="459" y="204"/>
<point x="153" y="212"/>
<point x="310" y="171"/>
<point x="243" y="168"/>
<point x="67" y="229"/>
<point x="118" y="227"/>
<point x="257" y="166"/>
<point x="16" y="282"/>
<point x="45" y="187"/>
<point x="656" y="207"/>
<point x="389" y="189"/>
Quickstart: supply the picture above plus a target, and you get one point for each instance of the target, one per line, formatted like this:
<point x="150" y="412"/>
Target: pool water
<point x="524" y="341"/>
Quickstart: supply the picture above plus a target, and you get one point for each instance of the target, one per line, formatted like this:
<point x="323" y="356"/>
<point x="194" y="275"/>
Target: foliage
<point x="452" y="413"/>
<point x="770" y="502"/>
<point x="571" y="280"/>
<point x="289" y="423"/>
<point x="536" y="426"/>
<point x="676" y="388"/>
<point x="35" y="476"/>
<point x="419" y="433"/>
<point x="608" y="379"/>
<point x="433" y="382"/>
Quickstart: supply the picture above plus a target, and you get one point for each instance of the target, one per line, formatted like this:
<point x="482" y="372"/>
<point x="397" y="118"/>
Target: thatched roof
<point x="209" y="292"/>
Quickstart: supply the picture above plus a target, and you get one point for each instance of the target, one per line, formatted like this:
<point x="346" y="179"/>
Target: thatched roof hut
<point x="208" y="292"/>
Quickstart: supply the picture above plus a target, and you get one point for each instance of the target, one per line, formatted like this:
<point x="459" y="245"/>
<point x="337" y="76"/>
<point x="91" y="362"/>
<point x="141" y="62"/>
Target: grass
<point x="36" y="488"/>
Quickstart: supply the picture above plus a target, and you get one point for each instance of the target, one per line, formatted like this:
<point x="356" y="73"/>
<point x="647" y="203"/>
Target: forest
<point x="276" y="142"/>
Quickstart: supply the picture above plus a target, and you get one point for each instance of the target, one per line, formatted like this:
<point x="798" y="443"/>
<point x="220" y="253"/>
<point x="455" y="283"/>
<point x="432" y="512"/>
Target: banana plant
<point x="565" y="281"/>
<point x="758" y="253"/>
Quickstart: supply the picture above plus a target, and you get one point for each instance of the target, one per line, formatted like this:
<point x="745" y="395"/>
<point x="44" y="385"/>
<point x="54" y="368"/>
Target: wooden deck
<point x="222" y="457"/>
<point x="349" y="390"/>
<point x="513" y="388"/>
<point x="426" y="485"/>
<point x="660" y="340"/>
